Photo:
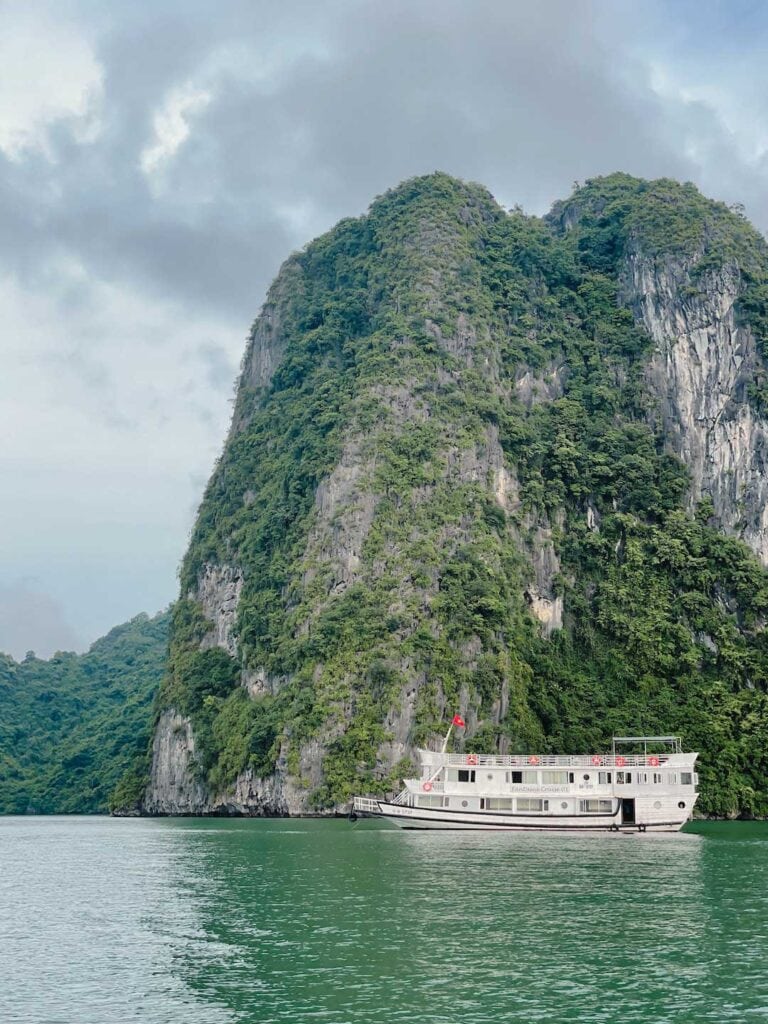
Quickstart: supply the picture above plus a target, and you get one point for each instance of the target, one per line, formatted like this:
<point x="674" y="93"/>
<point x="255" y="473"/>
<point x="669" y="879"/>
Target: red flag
<point x="458" y="720"/>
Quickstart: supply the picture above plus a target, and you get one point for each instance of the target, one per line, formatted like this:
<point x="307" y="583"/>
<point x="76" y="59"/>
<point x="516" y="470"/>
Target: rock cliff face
<point x="702" y="366"/>
<point x="218" y="593"/>
<point x="176" y="789"/>
<point x="173" y="787"/>
<point x="463" y="474"/>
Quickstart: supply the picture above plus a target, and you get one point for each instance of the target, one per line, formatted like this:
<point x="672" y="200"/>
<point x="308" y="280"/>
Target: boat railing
<point x="365" y="805"/>
<point x="531" y="761"/>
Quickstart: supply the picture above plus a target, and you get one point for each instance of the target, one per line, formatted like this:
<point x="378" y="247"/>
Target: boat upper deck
<point x="435" y="759"/>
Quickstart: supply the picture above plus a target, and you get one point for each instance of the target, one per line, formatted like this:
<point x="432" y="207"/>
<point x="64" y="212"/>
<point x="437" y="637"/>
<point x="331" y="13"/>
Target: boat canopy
<point x="668" y="741"/>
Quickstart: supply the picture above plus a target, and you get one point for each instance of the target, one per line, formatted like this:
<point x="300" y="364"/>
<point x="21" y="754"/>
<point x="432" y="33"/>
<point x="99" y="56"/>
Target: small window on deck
<point x="466" y="775"/>
<point x="623" y="778"/>
<point x="686" y="779"/>
<point x="604" y="778"/>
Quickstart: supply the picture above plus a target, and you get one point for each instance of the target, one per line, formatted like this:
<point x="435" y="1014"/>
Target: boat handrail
<point x="533" y="761"/>
<point x="365" y="805"/>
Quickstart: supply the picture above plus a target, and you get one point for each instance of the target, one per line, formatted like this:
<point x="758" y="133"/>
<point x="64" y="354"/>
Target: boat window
<point x="623" y="778"/>
<point x="657" y="779"/>
<point x="555" y="778"/>
<point x="571" y="776"/>
<point x="525" y="803"/>
<point x="430" y="801"/>
<point x="642" y="776"/>
<point x="466" y="774"/>
<point x="595" y="806"/>
<point x="523" y="778"/>
<point x="604" y="778"/>
<point x="686" y="778"/>
<point x="498" y="803"/>
<point x="446" y="801"/>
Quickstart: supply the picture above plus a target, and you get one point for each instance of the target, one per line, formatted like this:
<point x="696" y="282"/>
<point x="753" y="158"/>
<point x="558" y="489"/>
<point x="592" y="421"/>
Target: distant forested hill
<point x="72" y="725"/>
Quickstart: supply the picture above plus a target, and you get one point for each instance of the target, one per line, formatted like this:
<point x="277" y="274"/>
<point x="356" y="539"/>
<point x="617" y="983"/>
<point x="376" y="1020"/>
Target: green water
<point x="114" y="921"/>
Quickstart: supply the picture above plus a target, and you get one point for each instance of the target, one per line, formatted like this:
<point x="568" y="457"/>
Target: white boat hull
<point x="434" y="818"/>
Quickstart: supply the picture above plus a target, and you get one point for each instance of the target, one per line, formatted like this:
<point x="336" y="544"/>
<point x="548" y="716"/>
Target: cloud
<point x="171" y="126"/>
<point x="158" y="163"/>
<point x="50" y="74"/>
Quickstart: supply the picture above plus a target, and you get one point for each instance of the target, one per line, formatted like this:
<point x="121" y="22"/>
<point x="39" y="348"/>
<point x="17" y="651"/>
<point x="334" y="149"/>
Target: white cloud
<point x="171" y="126"/>
<point x="49" y="74"/>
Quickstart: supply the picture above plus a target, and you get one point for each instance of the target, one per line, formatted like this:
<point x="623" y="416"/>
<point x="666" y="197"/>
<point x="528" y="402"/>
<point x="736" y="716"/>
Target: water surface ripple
<point x="264" y="922"/>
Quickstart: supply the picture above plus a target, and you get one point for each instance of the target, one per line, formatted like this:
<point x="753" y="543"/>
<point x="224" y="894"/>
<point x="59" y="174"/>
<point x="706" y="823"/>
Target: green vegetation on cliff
<point x="482" y="385"/>
<point x="72" y="725"/>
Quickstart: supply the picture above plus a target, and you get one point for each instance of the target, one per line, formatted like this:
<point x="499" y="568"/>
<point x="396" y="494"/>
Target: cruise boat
<point x="624" y="790"/>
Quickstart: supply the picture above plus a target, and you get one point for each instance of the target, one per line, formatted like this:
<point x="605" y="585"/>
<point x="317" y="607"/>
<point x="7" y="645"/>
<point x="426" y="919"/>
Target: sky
<point x="159" y="160"/>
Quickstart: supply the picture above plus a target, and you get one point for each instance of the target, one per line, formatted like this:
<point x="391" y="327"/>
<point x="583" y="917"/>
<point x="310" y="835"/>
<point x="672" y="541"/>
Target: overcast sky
<point x="160" y="159"/>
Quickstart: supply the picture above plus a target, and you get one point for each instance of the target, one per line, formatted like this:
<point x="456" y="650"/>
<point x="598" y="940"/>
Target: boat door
<point x="628" y="811"/>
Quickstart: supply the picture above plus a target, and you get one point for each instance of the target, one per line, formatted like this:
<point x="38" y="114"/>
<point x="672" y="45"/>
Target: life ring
<point x="596" y="760"/>
<point x="653" y="761"/>
<point x="533" y="759"/>
<point x="471" y="758"/>
<point x="426" y="786"/>
<point x="620" y="761"/>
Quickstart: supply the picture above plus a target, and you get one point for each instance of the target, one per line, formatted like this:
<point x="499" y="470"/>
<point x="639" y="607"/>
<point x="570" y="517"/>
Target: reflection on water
<point x="275" y="921"/>
<point x="343" y="924"/>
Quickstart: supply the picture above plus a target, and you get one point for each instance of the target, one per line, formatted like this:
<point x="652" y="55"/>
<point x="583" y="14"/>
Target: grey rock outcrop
<point x="174" y="787"/>
<point x="544" y="601"/>
<point x="344" y="513"/>
<point x="218" y="591"/>
<point x="702" y="365"/>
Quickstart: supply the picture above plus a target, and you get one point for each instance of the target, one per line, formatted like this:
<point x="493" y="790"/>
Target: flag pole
<point x="445" y="741"/>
